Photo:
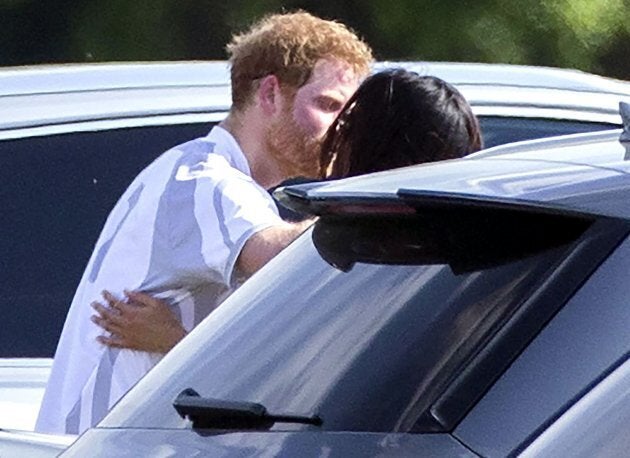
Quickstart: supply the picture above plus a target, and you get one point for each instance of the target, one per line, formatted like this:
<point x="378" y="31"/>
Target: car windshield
<point x="367" y="345"/>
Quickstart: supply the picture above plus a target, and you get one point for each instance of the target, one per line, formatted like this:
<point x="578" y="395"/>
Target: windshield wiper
<point x="208" y="413"/>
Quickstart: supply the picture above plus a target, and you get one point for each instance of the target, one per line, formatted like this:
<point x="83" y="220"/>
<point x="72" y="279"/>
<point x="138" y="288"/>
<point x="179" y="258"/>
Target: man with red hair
<point x="198" y="220"/>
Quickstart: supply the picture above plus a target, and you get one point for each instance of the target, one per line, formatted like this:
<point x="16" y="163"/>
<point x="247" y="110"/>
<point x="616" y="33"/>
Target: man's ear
<point x="269" y="95"/>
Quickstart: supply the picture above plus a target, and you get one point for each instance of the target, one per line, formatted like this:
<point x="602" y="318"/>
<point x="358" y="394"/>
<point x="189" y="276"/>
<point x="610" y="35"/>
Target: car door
<point x="56" y="193"/>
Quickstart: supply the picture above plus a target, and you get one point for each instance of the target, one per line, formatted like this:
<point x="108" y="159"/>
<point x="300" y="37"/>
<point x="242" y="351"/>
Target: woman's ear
<point x="269" y="95"/>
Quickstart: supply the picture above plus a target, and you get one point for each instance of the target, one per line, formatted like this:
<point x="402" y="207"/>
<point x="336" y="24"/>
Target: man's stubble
<point x="296" y="152"/>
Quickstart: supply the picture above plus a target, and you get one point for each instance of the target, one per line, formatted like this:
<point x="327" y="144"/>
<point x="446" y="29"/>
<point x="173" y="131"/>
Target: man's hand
<point x="141" y="322"/>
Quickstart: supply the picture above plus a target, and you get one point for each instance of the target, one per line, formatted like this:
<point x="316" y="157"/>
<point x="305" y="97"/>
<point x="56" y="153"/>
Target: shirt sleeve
<point x="215" y="211"/>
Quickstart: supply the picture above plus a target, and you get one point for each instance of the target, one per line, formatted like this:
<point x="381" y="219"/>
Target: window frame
<point x="526" y="368"/>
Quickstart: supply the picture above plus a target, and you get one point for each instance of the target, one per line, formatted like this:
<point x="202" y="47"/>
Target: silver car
<point x="475" y="307"/>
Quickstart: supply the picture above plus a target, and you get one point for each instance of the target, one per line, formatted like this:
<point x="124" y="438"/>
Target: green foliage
<point x="564" y="33"/>
<point x="592" y="35"/>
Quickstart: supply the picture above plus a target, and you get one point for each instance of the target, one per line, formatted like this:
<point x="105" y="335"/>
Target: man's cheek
<point x="319" y="123"/>
<point x="304" y="120"/>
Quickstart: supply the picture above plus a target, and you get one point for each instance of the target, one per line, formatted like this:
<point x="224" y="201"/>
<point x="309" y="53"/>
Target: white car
<point x="22" y="383"/>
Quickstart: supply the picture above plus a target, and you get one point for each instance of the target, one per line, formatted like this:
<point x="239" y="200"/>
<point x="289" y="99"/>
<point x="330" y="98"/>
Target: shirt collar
<point x="229" y="148"/>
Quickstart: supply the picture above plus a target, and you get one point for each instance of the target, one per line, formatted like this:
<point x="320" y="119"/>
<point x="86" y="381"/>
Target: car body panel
<point x="517" y="75"/>
<point x="61" y="108"/>
<point x="530" y="91"/>
<point x="42" y="79"/>
<point x="32" y="445"/>
<point x="541" y="171"/>
<point x="581" y="433"/>
<point x="124" y="124"/>
<point x="22" y="383"/>
<point x="115" y="442"/>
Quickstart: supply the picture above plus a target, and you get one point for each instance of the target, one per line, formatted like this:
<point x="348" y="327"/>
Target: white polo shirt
<point x="176" y="232"/>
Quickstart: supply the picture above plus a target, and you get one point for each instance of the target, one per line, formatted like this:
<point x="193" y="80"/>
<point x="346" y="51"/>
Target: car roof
<point x="584" y="173"/>
<point x="39" y="79"/>
<point x="45" y="95"/>
<point x="529" y="91"/>
<point x="516" y="75"/>
<point x="60" y="94"/>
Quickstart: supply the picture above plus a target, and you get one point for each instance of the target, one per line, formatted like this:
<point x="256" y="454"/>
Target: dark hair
<point x="398" y="118"/>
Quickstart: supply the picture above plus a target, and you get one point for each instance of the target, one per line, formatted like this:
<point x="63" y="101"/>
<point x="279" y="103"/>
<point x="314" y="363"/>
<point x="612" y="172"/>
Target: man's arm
<point x="142" y="322"/>
<point x="264" y="245"/>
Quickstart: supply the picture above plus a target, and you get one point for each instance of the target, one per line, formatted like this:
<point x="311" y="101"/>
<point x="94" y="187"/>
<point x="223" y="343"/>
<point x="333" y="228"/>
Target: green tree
<point x="592" y="35"/>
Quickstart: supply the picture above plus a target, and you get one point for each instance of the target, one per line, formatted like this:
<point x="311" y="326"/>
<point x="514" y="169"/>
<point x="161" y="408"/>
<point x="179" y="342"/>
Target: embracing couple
<point x="198" y="221"/>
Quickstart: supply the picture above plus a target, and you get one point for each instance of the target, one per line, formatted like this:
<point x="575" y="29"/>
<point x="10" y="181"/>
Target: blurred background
<point x="590" y="35"/>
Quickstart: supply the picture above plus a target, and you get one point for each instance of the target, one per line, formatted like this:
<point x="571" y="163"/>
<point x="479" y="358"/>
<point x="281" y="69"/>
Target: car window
<point x="586" y="340"/>
<point x="499" y="130"/>
<point x="55" y="195"/>
<point x="57" y="191"/>
<point x="370" y="344"/>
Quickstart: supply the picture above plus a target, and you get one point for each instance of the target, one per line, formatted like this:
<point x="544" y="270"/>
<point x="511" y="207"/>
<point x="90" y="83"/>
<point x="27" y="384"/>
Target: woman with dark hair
<point x="395" y="119"/>
<point x="398" y="118"/>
